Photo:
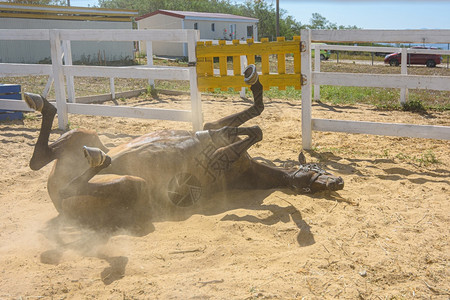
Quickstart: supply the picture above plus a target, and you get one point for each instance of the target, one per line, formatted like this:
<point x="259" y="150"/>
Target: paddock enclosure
<point x="385" y="236"/>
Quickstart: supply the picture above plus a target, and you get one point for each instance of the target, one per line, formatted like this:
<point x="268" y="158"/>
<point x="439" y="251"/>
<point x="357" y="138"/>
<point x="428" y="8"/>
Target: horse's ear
<point x="301" y="158"/>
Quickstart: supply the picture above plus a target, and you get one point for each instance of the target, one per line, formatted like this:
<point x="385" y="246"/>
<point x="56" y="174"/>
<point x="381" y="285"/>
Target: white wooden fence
<point x="403" y="62"/>
<point x="402" y="81"/>
<point x="60" y="39"/>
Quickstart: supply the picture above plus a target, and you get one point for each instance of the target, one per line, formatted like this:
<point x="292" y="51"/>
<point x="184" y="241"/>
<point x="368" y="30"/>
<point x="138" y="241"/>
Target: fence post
<point x="192" y="36"/>
<point x="196" y="102"/>
<point x="68" y="62"/>
<point x="112" y="88"/>
<point x="149" y="48"/>
<point x="317" y="69"/>
<point x="448" y="56"/>
<point x="196" y="99"/>
<point x="404" y="71"/>
<point x="58" y="76"/>
<point x="306" y="88"/>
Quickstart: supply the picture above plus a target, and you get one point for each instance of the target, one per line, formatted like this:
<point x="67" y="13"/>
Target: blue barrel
<point x="10" y="92"/>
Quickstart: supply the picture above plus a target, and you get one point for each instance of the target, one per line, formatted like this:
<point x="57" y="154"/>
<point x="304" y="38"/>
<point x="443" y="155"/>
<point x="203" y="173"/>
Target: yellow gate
<point x="206" y="52"/>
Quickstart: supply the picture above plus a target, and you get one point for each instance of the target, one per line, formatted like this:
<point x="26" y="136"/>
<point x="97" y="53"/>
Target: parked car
<point x="324" y="54"/>
<point x="429" y="59"/>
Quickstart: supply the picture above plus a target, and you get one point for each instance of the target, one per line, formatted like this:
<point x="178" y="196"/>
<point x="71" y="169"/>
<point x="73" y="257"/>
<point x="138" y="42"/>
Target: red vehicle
<point x="429" y="59"/>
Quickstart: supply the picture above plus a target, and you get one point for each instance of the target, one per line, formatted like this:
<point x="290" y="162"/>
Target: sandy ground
<point x="385" y="236"/>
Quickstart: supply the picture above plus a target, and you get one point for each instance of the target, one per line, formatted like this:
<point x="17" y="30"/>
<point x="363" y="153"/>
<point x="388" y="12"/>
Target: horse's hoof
<point x="250" y="75"/>
<point x="96" y="157"/>
<point x="34" y="101"/>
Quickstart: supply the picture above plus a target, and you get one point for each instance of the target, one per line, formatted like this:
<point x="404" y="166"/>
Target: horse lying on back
<point x="95" y="185"/>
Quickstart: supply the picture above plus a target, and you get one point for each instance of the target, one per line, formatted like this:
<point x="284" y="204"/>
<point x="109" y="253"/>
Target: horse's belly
<point x="161" y="158"/>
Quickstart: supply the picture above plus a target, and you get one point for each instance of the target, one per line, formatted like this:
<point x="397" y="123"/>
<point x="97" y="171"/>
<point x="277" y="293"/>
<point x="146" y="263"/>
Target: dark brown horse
<point x="93" y="184"/>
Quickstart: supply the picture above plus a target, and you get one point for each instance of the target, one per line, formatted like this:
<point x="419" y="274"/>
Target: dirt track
<point x="385" y="235"/>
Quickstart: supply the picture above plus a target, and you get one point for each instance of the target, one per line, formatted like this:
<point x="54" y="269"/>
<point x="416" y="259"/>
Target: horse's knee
<point x="256" y="109"/>
<point x="259" y="108"/>
<point x="209" y="126"/>
<point x="254" y="132"/>
<point x="41" y="157"/>
<point x="35" y="165"/>
<point x="258" y="134"/>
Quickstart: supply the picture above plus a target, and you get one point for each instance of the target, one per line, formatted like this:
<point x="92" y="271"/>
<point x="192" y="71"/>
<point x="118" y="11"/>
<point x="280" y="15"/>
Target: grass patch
<point x="414" y="106"/>
<point x="30" y="116"/>
<point x="425" y="159"/>
<point x="353" y="95"/>
<point x="288" y="93"/>
<point x="386" y="99"/>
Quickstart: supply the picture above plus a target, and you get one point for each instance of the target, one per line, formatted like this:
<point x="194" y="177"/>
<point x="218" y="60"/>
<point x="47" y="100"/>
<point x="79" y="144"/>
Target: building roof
<point x="33" y="11"/>
<point x="192" y="15"/>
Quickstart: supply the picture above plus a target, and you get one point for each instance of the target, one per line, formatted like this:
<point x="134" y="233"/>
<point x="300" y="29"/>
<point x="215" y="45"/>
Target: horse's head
<point x="311" y="178"/>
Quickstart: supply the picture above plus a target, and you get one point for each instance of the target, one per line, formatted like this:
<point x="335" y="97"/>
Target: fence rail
<point x="382" y="80"/>
<point x="376" y="128"/>
<point x="164" y="73"/>
<point x="25" y="34"/>
<point x="316" y="78"/>
<point x="381" y="49"/>
<point x="9" y="70"/>
<point x="381" y="36"/>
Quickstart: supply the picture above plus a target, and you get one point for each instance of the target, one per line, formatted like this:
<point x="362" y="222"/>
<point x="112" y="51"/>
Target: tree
<point x="289" y="27"/>
<point x="262" y="11"/>
<point x="317" y="21"/>
<point x="266" y="14"/>
<point x="147" y="6"/>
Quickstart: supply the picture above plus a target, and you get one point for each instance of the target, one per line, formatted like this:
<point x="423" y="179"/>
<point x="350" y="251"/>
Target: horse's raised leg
<point x="226" y="139"/>
<point x="237" y="119"/>
<point x="67" y="150"/>
<point x="227" y="147"/>
<point x="42" y="153"/>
